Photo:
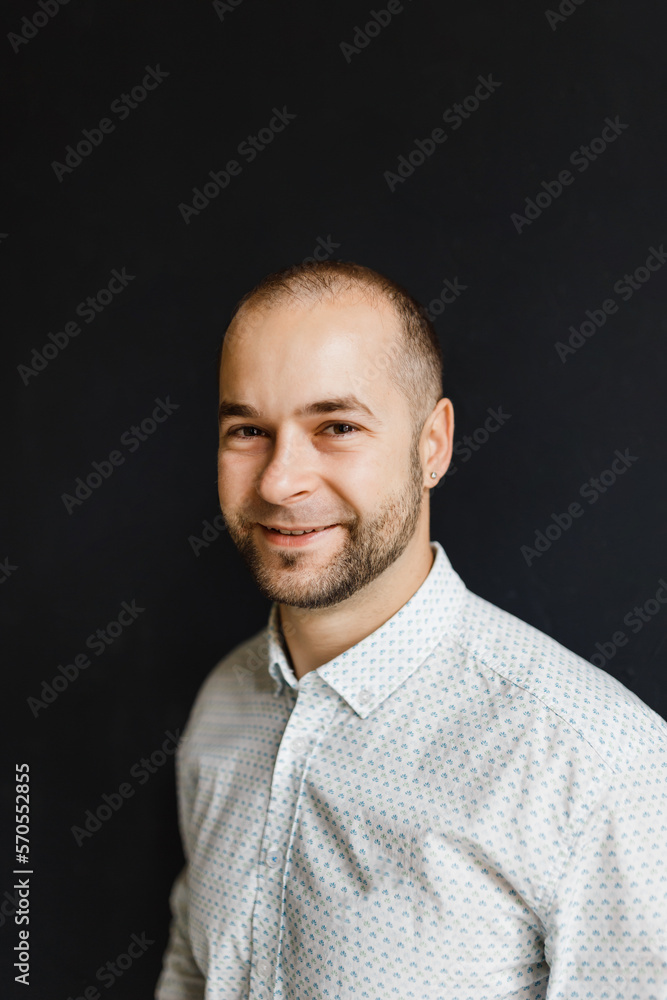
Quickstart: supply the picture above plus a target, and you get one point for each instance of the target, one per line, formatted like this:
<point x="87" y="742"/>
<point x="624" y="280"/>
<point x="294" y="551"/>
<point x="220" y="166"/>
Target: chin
<point x="298" y="589"/>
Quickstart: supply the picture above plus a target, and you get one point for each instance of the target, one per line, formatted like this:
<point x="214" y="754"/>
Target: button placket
<point x="315" y="708"/>
<point x="264" y="968"/>
<point x="274" y="857"/>
<point x="282" y="810"/>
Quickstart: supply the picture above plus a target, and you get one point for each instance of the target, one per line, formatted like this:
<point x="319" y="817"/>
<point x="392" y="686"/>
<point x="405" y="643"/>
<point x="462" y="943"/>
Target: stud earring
<point x="434" y="475"/>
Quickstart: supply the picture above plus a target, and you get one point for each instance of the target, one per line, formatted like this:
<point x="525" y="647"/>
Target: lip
<point x="294" y="541"/>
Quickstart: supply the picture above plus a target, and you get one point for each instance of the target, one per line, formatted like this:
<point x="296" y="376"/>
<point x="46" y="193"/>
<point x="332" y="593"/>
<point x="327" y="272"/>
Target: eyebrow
<point x="335" y="405"/>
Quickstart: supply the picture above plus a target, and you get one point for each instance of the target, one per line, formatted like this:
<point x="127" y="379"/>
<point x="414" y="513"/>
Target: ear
<point x="437" y="442"/>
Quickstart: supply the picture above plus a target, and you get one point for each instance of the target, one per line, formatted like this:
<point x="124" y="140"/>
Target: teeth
<point x="308" y="531"/>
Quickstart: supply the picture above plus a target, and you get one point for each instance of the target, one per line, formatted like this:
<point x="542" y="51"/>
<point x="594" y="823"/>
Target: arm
<point x="181" y="978"/>
<point x="607" y="926"/>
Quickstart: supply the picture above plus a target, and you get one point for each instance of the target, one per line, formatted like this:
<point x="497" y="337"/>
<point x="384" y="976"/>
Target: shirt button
<point x="365" y="696"/>
<point x="264" y="968"/>
<point x="300" y="745"/>
<point x="273" y="857"/>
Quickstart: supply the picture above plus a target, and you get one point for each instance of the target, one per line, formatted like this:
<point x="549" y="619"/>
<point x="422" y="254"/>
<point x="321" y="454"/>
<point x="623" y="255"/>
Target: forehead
<point x="293" y="352"/>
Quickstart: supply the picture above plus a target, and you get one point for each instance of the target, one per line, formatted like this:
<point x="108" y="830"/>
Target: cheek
<point x="365" y="477"/>
<point x="235" y="475"/>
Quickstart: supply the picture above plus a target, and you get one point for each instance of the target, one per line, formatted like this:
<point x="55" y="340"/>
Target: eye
<point x="341" y="429"/>
<point x="245" y="432"/>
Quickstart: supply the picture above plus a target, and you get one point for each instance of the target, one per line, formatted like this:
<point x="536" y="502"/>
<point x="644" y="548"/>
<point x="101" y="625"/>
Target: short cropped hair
<point x="414" y="364"/>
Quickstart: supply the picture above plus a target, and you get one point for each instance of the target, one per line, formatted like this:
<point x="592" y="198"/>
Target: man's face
<point x="314" y="435"/>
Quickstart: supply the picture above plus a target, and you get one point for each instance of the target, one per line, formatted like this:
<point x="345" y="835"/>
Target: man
<point x="396" y="789"/>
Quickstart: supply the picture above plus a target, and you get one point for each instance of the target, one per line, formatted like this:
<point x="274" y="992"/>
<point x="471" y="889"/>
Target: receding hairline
<point x="265" y="301"/>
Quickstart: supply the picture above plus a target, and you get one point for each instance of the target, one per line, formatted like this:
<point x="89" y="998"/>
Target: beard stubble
<point x="371" y="546"/>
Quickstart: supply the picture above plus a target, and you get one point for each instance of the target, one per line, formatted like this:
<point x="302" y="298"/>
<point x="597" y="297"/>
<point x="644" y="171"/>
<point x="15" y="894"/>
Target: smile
<point x="297" y="531"/>
<point x="295" y="537"/>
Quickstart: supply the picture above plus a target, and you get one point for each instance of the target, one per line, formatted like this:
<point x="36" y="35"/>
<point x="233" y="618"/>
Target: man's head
<point x="330" y="377"/>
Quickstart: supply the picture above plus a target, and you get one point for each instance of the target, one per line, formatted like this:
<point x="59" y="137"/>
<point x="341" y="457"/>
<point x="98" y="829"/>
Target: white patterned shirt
<point x="456" y="808"/>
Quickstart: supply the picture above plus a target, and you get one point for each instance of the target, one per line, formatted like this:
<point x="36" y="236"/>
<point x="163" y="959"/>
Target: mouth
<point x="295" y="537"/>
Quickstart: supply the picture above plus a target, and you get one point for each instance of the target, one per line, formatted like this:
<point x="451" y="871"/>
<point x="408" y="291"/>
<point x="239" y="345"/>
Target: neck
<point x="314" y="637"/>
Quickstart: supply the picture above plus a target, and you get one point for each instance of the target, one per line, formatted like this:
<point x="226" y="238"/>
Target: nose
<point x="289" y="474"/>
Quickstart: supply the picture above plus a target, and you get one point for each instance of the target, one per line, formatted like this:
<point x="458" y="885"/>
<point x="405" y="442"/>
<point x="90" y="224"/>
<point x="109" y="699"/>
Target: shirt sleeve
<point x="606" y="934"/>
<point x="181" y="978"/>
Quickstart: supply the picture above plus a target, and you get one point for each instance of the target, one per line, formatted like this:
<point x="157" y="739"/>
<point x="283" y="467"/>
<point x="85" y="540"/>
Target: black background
<point x="322" y="176"/>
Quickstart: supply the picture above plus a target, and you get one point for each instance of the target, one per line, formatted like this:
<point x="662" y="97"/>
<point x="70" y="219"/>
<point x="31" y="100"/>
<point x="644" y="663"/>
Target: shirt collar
<point x="369" y="672"/>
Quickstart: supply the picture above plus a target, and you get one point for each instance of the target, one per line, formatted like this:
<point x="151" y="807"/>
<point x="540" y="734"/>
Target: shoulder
<point x="234" y="680"/>
<point x="556" y="688"/>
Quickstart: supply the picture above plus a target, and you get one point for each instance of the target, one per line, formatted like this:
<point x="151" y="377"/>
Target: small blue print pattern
<point x="457" y="808"/>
